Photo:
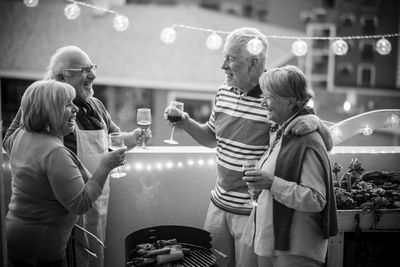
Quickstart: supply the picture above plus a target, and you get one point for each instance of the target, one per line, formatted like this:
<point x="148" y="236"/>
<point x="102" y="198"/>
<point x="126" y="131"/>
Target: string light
<point x="367" y="130"/>
<point x="299" y="48"/>
<point x="340" y="47"/>
<point x="214" y="41"/>
<point x="169" y="164"/>
<point x="346" y="106"/>
<point x="311" y="103"/>
<point x="168" y="35"/>
<point x="383" y="47"/>
<point x="254" y="46"/>
<point x="336" y="134"/>
<point x="393" y="120"/>
<point x="72" y="11"/>
<point x="362" y="150"/>
<point x="120" y="23"/>
<point x="364" y="123"/>
<point x="31" y="3"/>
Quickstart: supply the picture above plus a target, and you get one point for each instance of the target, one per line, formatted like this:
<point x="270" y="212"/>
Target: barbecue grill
<point x="197" y="240"/>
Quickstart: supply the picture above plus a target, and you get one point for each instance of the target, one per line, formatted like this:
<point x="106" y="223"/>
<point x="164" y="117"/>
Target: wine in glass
<point x="144" y="121"/>
<point x="116" y="141"/>
<point x="249" y="165"/>
<point x="174" y="115"/>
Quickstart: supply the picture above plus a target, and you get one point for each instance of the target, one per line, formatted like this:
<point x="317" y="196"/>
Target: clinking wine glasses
<point x="249" y="165"/>
<point x="116" y="141"/>
<point x="174" y="115"/>
<point x="143" y="122"/>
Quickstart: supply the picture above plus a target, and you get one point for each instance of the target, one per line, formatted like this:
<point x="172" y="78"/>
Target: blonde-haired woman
<point x="296" y="212"/>
<point x="50" y="186"/>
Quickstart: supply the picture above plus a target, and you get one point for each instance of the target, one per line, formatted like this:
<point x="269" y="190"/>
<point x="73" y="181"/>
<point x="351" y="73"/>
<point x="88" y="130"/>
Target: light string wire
<point x="378" y="36"/>
<point x="92" y="6"/>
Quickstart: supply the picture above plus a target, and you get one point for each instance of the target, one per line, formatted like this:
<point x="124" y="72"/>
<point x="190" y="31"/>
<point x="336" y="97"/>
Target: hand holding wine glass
<point x="250" y="165"/>
<point x="174" y="115"/>
<point x="144" y="122"/>
<point x="116" y="141"/>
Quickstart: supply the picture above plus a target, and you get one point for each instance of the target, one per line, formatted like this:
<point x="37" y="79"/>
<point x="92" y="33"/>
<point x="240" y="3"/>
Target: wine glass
<point x="143" y="121"/>
<point x="249" y="165"/>
<point x="174" y="115"/>
<point x="116" y="141"/>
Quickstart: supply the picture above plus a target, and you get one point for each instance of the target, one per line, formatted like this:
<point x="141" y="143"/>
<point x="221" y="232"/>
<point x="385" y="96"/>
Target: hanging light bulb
<point x="31" y="3"/>
<point x="394" y="120"/>
<point x="383" y="46"/>
<point x="168" y="35"/>
<point x="214" y="41"/>
<point x="254" y="46"/>
<point x="367" y="130"/>
<point x="347" y="105"/>
<point x="299" y="48"/>
<point x="138" y="166"/>
<point x="310" y="103"/>
<point x="340" y="47"/>
<point x="120" y="23"/>
<point x="72" y="11"/>
<point x="336" y="134"/>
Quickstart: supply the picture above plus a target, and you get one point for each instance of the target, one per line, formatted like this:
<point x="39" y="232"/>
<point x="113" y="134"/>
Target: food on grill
<point x="173" y="256"/>
<point x="160" y="253"/>
<point x="367" y="190"/>
<point x="154" y="252"/>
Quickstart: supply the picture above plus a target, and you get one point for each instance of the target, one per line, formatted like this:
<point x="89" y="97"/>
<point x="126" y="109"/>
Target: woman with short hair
<point x="296" y="212"/>
<point x="50" y="186"/>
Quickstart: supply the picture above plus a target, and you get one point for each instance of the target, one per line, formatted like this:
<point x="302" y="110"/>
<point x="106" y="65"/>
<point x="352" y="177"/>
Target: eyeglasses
<point x="86" y="69"/>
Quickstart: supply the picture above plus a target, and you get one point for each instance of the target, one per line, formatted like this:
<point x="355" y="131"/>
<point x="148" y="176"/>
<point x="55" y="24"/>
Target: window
<point x="367" y="49"/>
<point x="366" y="75"/>
<point x="213" y="5"/>
<point x="197" y="105"/>
<point x="248" y="11"/>
<point x="345" y="68"/>
<point x="306" y="16"/>
<point x="347" y="19"/>
<point x="263" y="15"/>
<point x="12" y="90"/>
<point x="369" y="23"/>
<point x="372" y="3"/>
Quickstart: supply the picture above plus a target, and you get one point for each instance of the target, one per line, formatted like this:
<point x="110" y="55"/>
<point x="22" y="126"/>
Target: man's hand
<point x="303" y="125"/>
<point x="173" y="111"/>
<point x="309" y="123"/>
<point x="137" y="137"/>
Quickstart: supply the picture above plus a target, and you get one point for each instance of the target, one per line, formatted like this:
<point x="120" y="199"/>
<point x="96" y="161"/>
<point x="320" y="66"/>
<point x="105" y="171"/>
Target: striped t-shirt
<point x="241" y="127"/>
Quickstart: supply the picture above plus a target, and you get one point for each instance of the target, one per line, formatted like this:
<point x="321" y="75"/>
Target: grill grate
<point x="198" y="259"/>
<point x="197" y="240"/>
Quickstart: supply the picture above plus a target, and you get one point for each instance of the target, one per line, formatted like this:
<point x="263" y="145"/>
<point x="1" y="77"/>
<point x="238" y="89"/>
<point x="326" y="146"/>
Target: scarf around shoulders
<point x="87" y="116"/>
<point x="288" y="167"/>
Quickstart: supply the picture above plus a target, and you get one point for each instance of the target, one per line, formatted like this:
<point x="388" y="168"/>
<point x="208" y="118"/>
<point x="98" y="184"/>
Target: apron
<point x="90" y="146"/>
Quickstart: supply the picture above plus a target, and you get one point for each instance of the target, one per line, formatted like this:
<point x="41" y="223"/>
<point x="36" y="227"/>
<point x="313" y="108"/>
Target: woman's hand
<point x="113" y="159"/>
<point x="258" y="179"/>
<point x="139" y="135"/>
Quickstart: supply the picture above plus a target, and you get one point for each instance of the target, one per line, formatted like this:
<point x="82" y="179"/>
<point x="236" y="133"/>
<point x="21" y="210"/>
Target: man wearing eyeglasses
<point x="88" y="141"/>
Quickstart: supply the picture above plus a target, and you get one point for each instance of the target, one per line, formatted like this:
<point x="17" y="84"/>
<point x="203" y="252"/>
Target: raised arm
<point x="309" y="123"/>
<point x="15" y="124"/>
<point x="199" y="132"/>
